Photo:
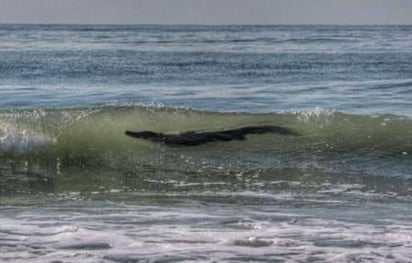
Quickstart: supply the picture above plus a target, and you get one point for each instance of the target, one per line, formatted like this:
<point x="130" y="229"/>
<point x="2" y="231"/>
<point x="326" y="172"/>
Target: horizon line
<point x="194" y="24"/>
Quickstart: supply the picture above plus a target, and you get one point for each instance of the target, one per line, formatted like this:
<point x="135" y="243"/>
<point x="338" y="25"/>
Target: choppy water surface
<point x="74" y="188"/>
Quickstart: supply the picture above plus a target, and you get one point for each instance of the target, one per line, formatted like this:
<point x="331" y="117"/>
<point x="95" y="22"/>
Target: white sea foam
<point x="95" y="232"/>
<point x="316" y="115"/>
<point x="19" y="140"/>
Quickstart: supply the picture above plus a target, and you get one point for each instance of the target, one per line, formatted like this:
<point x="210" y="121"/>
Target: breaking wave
<point x="93" y="138"/>
<point x="98" y="130"/>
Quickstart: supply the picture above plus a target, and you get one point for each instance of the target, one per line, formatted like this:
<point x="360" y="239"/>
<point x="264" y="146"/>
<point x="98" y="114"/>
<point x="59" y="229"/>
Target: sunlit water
<point x="73" y="188"/>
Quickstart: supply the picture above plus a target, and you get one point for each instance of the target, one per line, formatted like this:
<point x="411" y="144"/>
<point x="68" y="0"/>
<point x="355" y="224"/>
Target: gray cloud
<point x="207" y="11"/>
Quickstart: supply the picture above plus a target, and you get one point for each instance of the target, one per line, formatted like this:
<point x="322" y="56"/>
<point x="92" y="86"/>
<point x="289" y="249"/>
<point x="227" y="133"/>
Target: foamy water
<point x="274" y="228"/>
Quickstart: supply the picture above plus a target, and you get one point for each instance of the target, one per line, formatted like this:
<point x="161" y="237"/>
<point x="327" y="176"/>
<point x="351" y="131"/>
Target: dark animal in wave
<point x="193" y="138"/>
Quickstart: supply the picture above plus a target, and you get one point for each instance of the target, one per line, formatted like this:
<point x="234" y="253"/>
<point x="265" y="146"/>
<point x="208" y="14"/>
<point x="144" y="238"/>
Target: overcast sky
<point x="207" y="11"/>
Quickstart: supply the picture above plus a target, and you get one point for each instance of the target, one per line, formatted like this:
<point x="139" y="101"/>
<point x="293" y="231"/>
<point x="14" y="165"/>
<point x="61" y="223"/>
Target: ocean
<point x="75" y="188"/>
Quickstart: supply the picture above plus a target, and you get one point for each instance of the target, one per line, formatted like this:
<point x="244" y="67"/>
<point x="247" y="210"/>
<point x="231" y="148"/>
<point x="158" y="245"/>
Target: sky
<point x="207" y="11"/>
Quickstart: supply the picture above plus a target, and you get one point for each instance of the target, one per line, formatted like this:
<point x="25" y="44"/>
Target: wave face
<point x="98" y="130"/>
<point x="85" y="136"/>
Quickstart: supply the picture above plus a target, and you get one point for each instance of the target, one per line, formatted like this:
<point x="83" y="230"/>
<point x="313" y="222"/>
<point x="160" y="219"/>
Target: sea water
<point x="74" y="188"/>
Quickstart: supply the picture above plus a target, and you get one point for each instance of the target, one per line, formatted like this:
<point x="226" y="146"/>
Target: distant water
<point x="224" y="68"/>
<point x="74" y="188"/>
